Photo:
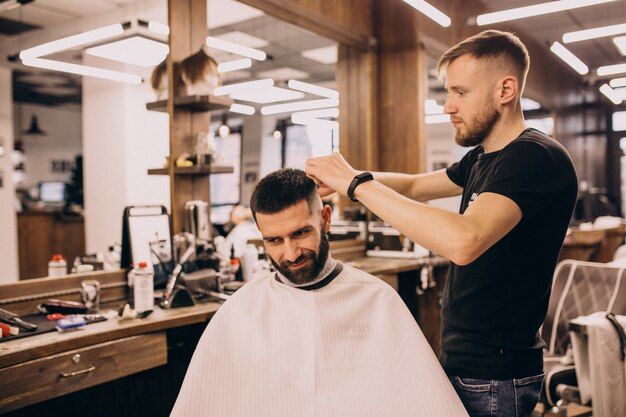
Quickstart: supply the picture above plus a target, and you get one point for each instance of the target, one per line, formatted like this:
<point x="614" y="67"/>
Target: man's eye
<point x="273" y="241"/>
<point x="301" y="233"/>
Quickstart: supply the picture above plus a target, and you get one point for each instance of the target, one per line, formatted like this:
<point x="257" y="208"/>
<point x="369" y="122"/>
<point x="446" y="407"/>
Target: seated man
<point x="317" y="338"/>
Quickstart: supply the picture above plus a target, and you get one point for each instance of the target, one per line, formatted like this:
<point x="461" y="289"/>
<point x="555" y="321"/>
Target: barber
<point x="518" y="190"/>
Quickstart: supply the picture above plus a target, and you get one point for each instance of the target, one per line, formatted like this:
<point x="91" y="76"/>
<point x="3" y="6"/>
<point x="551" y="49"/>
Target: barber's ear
<point x="508" y="89"/>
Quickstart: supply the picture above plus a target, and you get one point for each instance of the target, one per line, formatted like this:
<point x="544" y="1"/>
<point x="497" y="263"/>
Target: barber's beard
<point x="481" y="127"/>
<point x="308" y="272"/>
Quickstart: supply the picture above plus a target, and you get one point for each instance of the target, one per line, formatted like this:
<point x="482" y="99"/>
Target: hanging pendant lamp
<point x="34" y="127"/>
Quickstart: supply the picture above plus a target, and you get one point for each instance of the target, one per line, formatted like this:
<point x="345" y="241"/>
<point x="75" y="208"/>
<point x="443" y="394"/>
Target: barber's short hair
<point x="282" y="189"/>
<point x="491" y="44"/>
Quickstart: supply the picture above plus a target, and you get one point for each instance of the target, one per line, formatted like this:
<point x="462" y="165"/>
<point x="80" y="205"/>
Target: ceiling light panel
<point x="284" y="73"/>
<point x="241" y="87"/>
<point x="618" y="82"/>
<point x="235" y="48"/>
<point x="611" y="69"/>
<point x="430" y="11"/>
<point x="135" y="50"/>
<point x="600" y="32"/>
<point x="610" y="94"/>
<point x="324" y="55"/>
<point x="82" y="70"/>
<point x="242" y="109"/>
<point x="234" y="65"/>
<point x="431" y="107"/>
<point x="267" y="95"/>
<point x="300" y="105"/>
<point x="620" y="43"/>
<point x="73" y="41"/>
<point x="312" y="89"/>
<point x="535" y="10"/>
<point x="569" y="58"/>
<point x="231" y="11"/>
<point x="243" y="39"/>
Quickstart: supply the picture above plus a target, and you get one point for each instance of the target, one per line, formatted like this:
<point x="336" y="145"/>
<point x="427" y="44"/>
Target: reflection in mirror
<point x="107" y="123"/>
<point x="292" y="116"/>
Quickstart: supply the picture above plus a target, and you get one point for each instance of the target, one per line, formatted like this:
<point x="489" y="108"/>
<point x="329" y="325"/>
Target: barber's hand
<point x="332" y="173"/>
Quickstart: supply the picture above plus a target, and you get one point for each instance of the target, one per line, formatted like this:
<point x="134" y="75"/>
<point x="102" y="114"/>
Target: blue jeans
<point x="492" y="398"/>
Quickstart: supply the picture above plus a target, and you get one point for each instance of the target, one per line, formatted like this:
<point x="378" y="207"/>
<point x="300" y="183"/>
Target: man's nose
<point x="292" y="250"/>
<point x="448" y="107"/>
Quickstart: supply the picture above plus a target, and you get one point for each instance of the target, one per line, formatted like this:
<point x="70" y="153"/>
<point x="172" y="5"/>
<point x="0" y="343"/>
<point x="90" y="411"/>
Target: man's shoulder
<point x="352" y="275"/>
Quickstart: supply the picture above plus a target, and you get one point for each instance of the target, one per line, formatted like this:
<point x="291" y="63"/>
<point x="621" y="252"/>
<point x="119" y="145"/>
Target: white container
<point x="57" y="267"/>
<point x="250" y="256"/>
<point x="142" y="283"/>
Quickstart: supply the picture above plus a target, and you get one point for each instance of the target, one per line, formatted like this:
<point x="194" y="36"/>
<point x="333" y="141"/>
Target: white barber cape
<point x="346" y="347"/>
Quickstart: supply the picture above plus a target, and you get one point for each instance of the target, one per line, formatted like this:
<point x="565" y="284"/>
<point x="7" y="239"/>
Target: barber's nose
<point x="292" y="250"/>
<point x="448" y="107"/>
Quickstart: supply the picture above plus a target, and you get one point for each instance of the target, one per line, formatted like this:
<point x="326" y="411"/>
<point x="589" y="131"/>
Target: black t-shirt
<point x="494" y="306"/>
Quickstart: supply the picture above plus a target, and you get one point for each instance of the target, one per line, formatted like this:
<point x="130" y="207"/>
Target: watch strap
<point x="358" y="180"/>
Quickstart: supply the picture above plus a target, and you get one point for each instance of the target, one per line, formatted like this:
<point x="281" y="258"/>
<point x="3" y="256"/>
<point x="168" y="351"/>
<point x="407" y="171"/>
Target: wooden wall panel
<point x="402" y="89"/>
<point x="348" y="22"/>
<point x="188" y="32"/>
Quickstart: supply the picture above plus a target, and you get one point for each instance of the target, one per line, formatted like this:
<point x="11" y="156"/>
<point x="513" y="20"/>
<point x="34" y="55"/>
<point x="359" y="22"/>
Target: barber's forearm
<point x="445" y="233"/>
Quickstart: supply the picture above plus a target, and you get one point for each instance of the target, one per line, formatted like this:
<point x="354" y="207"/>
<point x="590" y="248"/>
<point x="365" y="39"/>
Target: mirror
<point x="106" y="122"/>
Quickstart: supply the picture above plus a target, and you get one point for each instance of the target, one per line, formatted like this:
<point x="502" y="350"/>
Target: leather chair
<point x="578" y="289"/>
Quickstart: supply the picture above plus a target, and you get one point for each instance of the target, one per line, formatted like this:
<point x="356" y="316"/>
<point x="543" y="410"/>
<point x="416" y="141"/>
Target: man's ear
<point x="327" y="215"/>
<point x="508" y="89"/>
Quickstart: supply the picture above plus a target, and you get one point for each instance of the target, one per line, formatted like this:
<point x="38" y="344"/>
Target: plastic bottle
<point x="57" y="267"/>
<point x="250" y="256"/>
<point x="112" y="259"/>
<point x="141" y="279"/>
<point x="235" y="265"/>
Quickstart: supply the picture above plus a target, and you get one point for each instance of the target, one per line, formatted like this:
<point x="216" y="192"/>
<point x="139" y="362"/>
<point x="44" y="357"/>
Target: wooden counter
<point x="44" y="366"/>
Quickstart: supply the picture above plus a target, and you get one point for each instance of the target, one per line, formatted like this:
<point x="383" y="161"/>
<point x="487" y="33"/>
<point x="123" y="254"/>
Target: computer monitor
<point x="52" y="192"/>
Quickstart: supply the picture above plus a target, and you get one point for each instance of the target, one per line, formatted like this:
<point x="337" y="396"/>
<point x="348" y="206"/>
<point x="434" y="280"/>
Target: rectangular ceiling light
<point x="430" y="11"/>
<point x="267" y="95"/>
<point x="583" y="35"/>
<point x="236" y="49"/>
<point x="73" y="41"/>
<point x="239" y="87"/>
<point x="534" y="10"/>
<point x="242" y="109"/>
<point x="300" y="105"/>
<point x="82" y="70"/>
<point x="234" y="65"/>
<point x="618" y="82"/>
<point x="135" y="50"/>
<point x="620" y="43"/>
<point x="304" y="116"/>
<point x="610" y="94"/>
<point x="313" y="89"/>
<point x="241" y="38"/>
<point x="158" y="28"/>
<point x="569" y="58"/>
<point x="611" y="69"/>
<point x="323" y="55"/>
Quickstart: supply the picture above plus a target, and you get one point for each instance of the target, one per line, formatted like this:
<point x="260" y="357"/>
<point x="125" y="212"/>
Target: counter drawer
<point x="52" y="376"/>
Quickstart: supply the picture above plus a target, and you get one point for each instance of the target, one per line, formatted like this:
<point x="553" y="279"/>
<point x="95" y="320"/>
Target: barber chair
<point x="578" y="289"/>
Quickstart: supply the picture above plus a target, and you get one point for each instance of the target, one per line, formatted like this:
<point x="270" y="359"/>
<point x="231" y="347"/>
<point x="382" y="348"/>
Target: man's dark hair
<point x="282" y="189"/>
<point x="491" y="44"/>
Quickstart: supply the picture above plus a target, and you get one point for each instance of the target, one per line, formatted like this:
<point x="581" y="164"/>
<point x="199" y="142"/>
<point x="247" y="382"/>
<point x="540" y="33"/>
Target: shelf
<point x="193" y="103"/>
<point x="194" y="170"/>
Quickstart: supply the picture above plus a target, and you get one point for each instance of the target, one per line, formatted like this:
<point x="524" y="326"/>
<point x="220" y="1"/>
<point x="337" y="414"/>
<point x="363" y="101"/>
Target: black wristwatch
<point x="358" y="180"/>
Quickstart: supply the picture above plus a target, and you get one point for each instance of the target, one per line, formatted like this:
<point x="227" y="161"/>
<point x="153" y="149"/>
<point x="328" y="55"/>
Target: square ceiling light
<point x="324" y="55"/>
<point x="267" y="95"/>
<point x="284" y="73"/>
<point x="243" y="39"/>
<point x="136" y="50"/>
<point x="620" y="43"/>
